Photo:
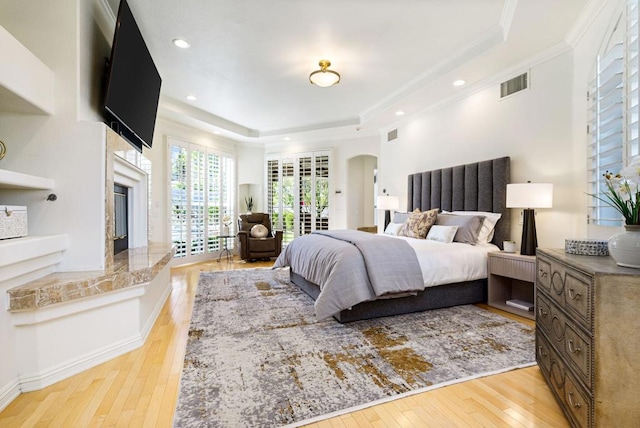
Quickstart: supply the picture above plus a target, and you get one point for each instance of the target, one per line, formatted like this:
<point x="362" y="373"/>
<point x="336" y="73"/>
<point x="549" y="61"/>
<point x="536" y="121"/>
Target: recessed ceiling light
<point x="287" y="138"/>
<point x="217" y="132"/>
<point x="399" y="113"/>
<point x="191" y="98"/>
<point x="459" y="82"/>
<point x="181" y="43"/>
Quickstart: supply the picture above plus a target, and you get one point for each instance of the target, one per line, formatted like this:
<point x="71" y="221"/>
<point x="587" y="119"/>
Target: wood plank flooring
<point x="140" y="388"/>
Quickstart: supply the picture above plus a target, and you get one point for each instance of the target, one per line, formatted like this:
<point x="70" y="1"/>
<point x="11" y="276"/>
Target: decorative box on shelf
<point x="13" y="221"/>
<point x="586" y="247"/>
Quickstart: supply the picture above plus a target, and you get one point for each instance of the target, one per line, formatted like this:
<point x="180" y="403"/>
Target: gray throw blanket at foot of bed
<point x="392" y="265"/>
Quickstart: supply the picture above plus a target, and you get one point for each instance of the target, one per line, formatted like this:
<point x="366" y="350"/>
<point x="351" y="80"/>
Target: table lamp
<point x="529" y="196"/>
<point x="387" y="203"/>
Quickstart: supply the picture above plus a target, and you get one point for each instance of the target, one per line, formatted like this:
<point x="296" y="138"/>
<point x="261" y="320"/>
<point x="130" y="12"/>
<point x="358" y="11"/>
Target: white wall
<point x="533" y="127"/>
<point x="63" y="35"/>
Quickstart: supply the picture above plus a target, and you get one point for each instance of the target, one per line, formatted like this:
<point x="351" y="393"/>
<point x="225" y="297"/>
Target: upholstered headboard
<point x="479" y="186"/>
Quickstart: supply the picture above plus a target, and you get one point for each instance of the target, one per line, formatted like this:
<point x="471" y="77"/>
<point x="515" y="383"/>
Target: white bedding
<point x="449" y="263"/>
<point x="342" y="277"/>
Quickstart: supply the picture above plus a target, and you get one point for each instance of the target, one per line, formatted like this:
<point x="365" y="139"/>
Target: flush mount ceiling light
<point x="181" y="43"/>
<point x="459" y="82"/>
<point x="324" y="77"/>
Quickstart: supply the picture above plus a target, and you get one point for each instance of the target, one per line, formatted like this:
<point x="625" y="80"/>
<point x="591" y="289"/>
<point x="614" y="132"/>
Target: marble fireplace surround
<point x="66" y="322"/>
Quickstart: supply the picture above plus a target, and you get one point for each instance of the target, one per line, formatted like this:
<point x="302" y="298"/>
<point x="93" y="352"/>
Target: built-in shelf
<point x="17" y="180"/>
<point x="26" y="83"/>
<point x="31" y="257"/>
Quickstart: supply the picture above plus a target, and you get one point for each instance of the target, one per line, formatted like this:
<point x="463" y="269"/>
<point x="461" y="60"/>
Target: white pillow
<point x="488" y="225"/>
<point x="442" y="233"/>
<point x="259" y="231"/>
<point x="392" y="228"/>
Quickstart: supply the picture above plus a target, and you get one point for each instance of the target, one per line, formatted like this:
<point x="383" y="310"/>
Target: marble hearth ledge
<point x="131" y="267"/>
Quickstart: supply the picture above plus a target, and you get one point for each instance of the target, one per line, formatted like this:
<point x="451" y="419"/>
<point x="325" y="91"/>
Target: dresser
<point x="588" y="337"/>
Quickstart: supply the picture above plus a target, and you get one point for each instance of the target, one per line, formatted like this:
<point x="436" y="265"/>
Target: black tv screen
<point x="133" y="83"/>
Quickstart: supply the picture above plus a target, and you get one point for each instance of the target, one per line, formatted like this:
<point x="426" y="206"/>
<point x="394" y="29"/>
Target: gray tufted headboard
<point x="479" y="186"/>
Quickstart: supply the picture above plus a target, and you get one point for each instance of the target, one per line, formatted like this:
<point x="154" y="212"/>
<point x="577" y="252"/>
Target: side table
<point x="222" y="239"/>
<point x="511" y="279"/>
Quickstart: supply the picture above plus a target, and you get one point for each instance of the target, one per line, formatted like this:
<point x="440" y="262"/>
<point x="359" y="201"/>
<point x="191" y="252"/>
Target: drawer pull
<point x="573" y="294"/>
<point x="542" y="312"/>
<point x="576" y="404"/>
<point x="541" y="351"/>
<point x="573" y="350"/>
<point x="542" y="273"/>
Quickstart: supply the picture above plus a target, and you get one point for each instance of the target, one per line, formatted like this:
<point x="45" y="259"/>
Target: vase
<point x="624" y="247"/>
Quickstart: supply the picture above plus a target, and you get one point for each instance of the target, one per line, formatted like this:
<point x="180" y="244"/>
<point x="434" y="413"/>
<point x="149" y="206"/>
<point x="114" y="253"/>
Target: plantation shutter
<point x="613" y="112"/>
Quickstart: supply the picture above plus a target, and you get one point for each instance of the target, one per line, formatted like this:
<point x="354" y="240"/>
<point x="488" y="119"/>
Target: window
<point x="613" y="111"/>
<point x="298" y="193"/>
<point x="202" y="193"/>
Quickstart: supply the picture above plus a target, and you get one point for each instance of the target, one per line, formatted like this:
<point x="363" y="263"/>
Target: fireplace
<point x="120" y="218"/>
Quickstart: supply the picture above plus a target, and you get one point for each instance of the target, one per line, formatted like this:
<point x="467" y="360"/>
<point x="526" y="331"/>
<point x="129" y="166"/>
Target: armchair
<point x="252" y="248"/>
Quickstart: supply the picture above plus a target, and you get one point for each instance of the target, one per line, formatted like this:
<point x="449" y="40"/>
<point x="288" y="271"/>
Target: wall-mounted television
<point x="132" y="84"/>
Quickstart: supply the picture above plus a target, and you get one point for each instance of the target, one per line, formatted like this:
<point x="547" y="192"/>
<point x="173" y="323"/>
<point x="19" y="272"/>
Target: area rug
<point x="257" y="357"/>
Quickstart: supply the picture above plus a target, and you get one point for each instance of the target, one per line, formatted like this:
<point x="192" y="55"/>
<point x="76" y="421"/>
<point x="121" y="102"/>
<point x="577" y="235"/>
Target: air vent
<point x="392" y="135"/>
<point x="514" y="85"/>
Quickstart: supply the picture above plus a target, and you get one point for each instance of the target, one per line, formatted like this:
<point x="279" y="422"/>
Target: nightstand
<point x="511" y="278"/>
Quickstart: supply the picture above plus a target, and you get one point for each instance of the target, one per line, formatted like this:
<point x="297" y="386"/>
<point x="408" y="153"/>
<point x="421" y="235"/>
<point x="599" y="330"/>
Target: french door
<point x="202" y="198"/>
<point x="298" y="192"/>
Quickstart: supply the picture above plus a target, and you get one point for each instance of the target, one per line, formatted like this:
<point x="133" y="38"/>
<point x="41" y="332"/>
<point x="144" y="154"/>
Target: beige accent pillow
<point x="419" y="223"/>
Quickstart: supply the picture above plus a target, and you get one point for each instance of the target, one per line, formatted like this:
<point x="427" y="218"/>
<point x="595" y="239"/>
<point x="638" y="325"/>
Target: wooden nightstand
<point x="511" y="277"/>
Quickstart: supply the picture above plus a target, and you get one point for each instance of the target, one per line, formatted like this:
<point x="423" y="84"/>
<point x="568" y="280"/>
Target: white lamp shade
<point x="530" y="195"/>
<point x="387" y="202"/>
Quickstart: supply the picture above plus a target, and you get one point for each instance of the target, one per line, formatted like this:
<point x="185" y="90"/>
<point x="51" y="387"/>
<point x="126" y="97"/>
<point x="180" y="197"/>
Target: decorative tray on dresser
<point x="588" y="337"/>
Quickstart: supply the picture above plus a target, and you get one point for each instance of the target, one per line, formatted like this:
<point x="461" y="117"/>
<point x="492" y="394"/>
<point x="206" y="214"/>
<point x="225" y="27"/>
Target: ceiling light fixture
<point x="459" y="82"/>
<point x="181" y="43"/>
<point x="399" y="113"/>
<point x="191" y="98"/>
<point x="324" y="77"/>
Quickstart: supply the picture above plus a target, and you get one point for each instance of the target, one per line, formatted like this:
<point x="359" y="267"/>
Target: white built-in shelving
<point x="17" y="180"/>
<point x="26" y="83"/>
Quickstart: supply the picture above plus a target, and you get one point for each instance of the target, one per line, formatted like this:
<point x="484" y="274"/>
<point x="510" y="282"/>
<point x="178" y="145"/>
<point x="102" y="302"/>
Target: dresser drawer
<point x="580" y="352"/>
<point x="543" y="274"/>
<point x="569" y="288"/>
<point x="573" y="398"/>
<point x="577" y="402"/>
<point x="572" y="344"/>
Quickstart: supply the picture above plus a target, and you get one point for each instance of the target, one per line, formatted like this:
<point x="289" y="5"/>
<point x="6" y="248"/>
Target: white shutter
<point x="613" y="112"/>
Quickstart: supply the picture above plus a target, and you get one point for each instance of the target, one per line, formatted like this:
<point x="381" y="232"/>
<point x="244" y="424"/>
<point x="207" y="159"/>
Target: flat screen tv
<point x="132" y="84"/>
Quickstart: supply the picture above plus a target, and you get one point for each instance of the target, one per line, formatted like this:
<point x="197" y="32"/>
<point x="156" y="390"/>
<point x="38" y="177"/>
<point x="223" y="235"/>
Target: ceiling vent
<point x="514" y="85"/>
<point x="392" y="135"/>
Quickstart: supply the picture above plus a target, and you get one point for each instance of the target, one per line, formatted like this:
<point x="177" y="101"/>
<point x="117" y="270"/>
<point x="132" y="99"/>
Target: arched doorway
<point x="361" y="191"/>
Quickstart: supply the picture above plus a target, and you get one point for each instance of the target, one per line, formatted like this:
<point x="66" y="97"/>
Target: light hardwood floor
<point x="140" y="388"/>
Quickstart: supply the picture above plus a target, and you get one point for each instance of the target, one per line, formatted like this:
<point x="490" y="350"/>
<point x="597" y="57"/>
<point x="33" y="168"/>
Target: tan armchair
<point x="252" y="248"/>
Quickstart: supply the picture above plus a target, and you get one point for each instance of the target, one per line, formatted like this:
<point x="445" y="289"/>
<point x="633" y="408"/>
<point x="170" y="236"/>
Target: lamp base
<point x="529" y="237"/>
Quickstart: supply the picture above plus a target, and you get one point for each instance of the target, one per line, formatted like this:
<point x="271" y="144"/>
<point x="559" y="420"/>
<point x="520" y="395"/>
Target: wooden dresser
<point x="588" y="337"/>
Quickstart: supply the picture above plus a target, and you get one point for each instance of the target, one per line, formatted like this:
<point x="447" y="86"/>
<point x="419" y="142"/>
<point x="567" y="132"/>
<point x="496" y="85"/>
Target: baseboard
<point x="36" y="381"/>
<point x="8" y="393"/>
<point x="146" y="329"/>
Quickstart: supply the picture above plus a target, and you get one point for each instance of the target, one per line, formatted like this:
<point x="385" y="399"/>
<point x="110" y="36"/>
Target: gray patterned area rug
<point x="257" y="357"/>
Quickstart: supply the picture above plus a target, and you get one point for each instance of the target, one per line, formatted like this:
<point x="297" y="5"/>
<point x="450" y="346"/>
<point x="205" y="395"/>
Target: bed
<point x="474" y="187"/>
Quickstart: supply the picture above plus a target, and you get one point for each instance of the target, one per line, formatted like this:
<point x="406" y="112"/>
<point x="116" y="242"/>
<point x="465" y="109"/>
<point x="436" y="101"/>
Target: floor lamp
<point x="387" y="203"/>
<point x="529" y="196"/>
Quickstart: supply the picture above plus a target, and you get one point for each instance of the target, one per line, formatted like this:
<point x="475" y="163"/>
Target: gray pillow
<point x="400" y="217"/>
<point x="468" y="226"/>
